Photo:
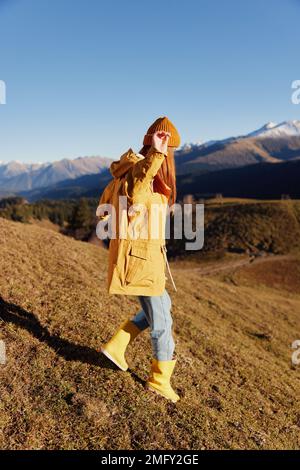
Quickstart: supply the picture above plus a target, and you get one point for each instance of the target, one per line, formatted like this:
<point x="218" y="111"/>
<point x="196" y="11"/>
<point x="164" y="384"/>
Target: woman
<point x="137" y="253"/>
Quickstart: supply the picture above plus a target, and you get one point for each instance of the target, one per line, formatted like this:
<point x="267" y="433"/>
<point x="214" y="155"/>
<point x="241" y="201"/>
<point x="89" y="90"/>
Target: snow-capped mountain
<point x="272" y="130"/>
<point x="271" y="143"/>
<point x="189" y="146"/>
<point x="269" y="130"/>
<point x="262" y="130"/>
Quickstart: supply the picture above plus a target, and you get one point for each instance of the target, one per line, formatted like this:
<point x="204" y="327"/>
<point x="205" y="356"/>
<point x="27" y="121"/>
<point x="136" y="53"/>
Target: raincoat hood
<point x="127" y="160"/>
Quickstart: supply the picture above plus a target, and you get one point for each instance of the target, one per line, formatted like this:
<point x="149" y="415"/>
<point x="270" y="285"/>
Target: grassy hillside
<point x="270" y="227"/>
<point x="233" y="333"/>
<point x="247" y="226"/>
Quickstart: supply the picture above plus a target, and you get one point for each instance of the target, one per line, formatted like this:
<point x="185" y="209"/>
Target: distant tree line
<point x="74" y="217"/>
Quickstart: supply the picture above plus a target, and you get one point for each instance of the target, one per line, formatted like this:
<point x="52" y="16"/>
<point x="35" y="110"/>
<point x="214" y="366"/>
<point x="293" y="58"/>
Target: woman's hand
<point x="160" y="141"/>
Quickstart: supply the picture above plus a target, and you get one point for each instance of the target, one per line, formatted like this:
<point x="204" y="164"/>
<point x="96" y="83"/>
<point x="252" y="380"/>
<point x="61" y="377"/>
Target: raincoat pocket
<point x="138" y="262"/>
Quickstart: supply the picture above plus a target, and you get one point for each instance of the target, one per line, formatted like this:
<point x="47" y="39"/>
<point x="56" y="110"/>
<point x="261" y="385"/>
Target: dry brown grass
<point x="234" y="373"/>
<point x="279" y="274"/>
<point x="45" y="223"/>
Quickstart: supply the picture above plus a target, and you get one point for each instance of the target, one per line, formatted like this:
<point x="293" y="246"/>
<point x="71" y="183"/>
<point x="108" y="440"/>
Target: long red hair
<point x="165" y="180"/>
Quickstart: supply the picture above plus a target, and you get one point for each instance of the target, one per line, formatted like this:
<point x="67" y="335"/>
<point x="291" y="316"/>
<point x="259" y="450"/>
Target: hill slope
<point x="245" y="225"/>
<point x="234" y="370"/>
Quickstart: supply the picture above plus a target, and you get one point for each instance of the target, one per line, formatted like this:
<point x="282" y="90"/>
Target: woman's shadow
<point x="11" y="313"/>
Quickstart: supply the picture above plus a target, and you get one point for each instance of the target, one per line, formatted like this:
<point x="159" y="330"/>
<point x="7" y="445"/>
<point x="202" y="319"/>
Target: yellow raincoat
<point x="137" y="255"/>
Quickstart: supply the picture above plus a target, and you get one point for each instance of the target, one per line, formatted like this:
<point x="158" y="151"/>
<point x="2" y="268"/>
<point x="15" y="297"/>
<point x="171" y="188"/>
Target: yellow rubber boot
<point x="116" y="346"/>
<point x="159" y="380"/>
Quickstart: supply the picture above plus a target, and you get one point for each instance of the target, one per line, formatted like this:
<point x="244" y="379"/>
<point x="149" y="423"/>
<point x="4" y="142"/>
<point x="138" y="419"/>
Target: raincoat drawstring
<point x="164" y="249"/>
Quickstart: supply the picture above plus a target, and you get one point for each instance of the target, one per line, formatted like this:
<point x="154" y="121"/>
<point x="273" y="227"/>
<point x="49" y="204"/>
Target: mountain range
<point x="17" y="176"/>
<point x="270" y="145"/>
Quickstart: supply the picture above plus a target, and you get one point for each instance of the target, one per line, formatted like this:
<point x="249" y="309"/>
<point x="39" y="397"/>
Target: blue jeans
<point x="156" y="314"/>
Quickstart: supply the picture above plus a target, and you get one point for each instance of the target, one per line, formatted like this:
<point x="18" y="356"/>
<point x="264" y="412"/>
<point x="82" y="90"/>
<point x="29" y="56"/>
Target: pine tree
<point x="81" y="218"/>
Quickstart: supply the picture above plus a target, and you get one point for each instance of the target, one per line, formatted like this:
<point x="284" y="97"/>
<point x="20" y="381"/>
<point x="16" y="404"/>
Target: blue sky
<point x="87" y="77"/>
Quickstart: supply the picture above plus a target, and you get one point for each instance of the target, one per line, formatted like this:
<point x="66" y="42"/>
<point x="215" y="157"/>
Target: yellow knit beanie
<point x="163" y="124"/>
